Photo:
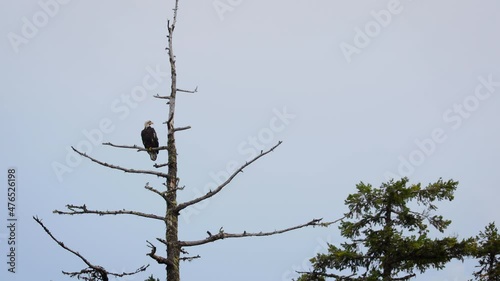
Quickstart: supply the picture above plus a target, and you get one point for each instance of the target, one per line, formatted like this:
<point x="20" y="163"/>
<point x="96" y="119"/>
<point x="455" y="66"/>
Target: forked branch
<point x="152" y="189"/>
<point x="158" y="259"/>
<point x="92" y="272"/>
<point x="159" y="174"/>
<point x="220" y="187"/>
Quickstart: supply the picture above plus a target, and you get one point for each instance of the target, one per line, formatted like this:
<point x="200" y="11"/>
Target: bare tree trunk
<point x="172" y="215"/>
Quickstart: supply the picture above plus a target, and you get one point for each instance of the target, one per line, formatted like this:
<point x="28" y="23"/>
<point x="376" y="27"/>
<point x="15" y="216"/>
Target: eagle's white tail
<point x="152" y="155"/>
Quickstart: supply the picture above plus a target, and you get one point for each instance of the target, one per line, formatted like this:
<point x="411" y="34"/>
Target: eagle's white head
<point x="148" y="123"/>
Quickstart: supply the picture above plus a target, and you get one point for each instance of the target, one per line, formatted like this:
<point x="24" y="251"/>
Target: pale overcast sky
<point x="357" y="91"/>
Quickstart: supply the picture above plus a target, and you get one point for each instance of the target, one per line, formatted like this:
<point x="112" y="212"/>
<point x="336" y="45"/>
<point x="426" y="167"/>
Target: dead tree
<point x="175" y="248"/>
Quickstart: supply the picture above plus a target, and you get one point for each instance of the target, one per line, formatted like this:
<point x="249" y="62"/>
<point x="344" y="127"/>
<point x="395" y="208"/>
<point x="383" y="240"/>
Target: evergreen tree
<point x="387" y="239"/>
<point x="488" y="253"/>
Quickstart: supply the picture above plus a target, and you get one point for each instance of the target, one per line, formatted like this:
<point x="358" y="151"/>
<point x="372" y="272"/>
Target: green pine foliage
<point x="151" y="278"/>
<point x="388" y="240"/>
<point x="488" y="253"/>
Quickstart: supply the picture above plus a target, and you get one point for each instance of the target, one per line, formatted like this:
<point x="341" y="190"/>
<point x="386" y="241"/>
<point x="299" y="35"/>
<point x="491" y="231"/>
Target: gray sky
<point x="357" y="92"/>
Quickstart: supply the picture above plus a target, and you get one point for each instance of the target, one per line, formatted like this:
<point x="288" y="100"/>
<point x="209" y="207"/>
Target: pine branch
<point x="350" y="277"/>
<point x="163" y="175"/>
<point x="331" y="275"/>
<point x="220" y="187"/>
<point x="94" y="272"/>
<point x="404" y="277"/>
<point x="79" y="210"/>
<point x="222" y="235"/>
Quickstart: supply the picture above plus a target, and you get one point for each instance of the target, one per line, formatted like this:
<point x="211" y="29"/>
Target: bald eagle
<point x="150" y="140"/>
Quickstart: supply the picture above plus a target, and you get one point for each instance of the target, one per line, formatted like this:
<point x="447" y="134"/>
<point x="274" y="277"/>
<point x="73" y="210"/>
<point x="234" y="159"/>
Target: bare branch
<point x="125" y="146"/>
<point x="327" y="224"/>
<point x="140" y="269"/>
<point x="222" y="235"/>
<point x="180" y="128"/>
<point x="160" y="165"/>
<point x="89" y="274"/>
<point x="172" y="27"/>
<point x="62" y="244"/>
<point x="135" y="147"/>
<point x="186" y="91"/>
<point x="173" y="71"/>
<point x="154" y="190"/>
<point x="94" y="272"/>
<point x="161" y="97"/>
<point x="159" y="174"/>
<point x="220" y="187"/>
<point x="190" y="258"/>
<point x="152" y="254"/>
<point x="79" y="210"/>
